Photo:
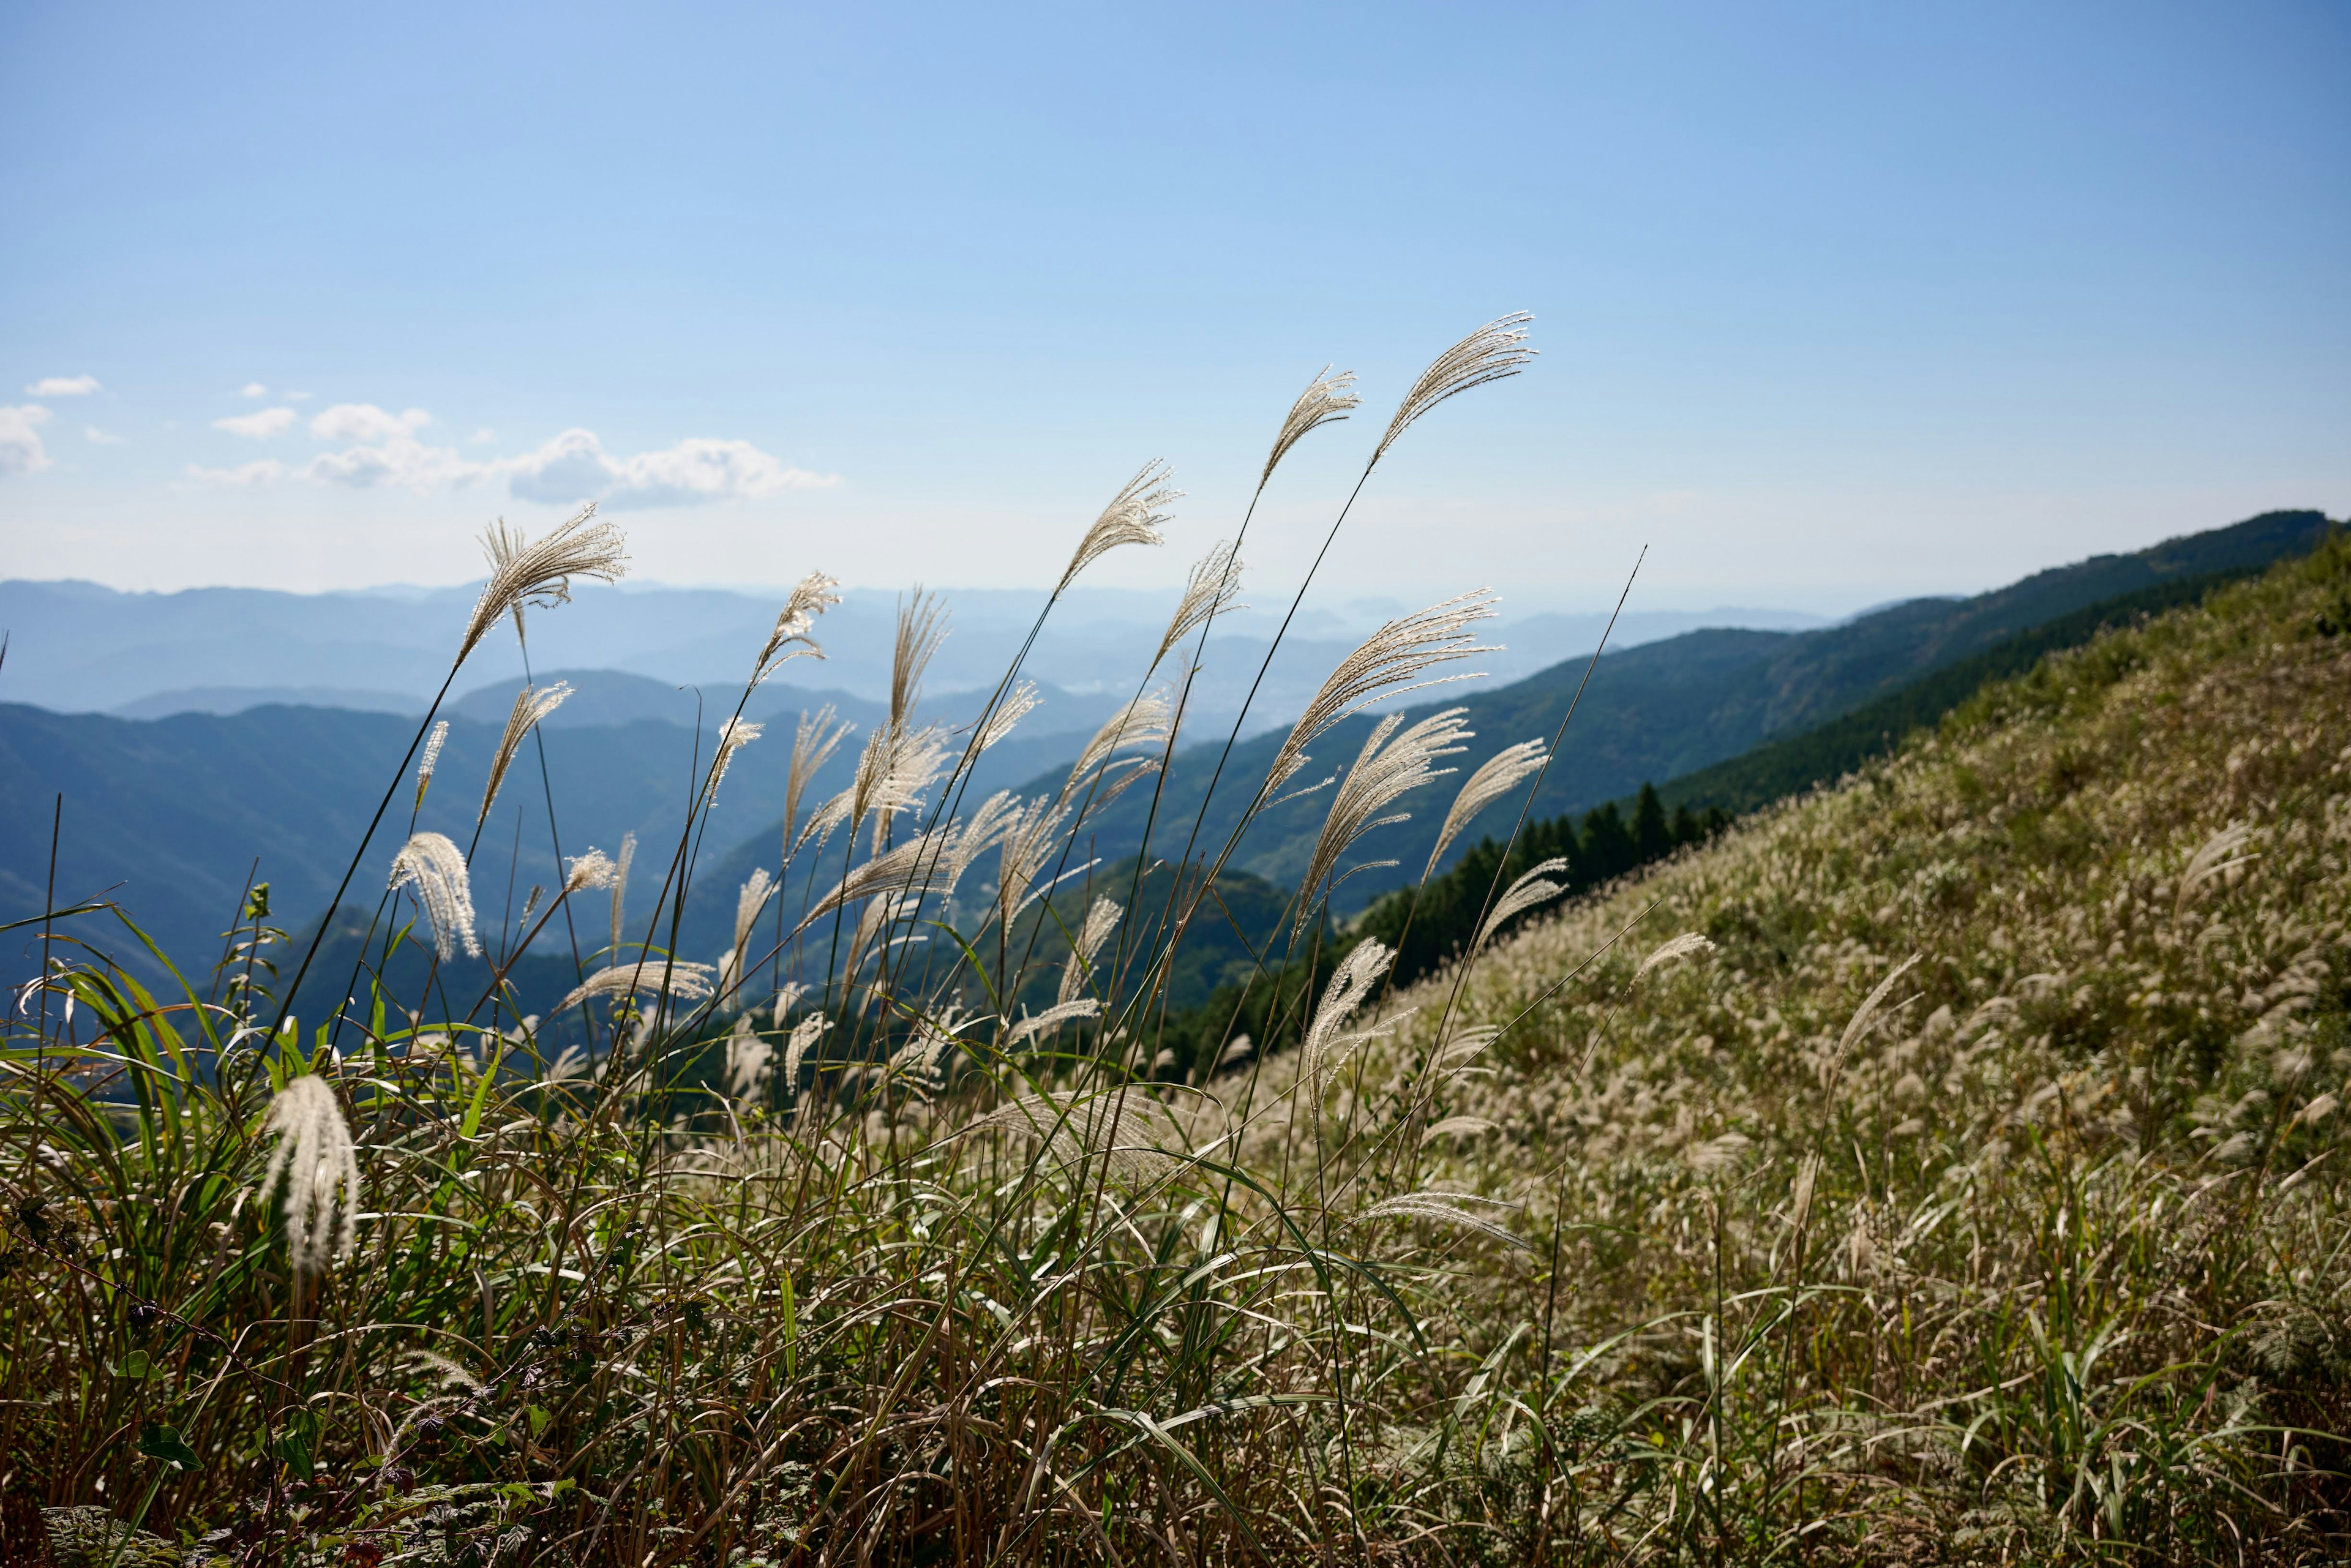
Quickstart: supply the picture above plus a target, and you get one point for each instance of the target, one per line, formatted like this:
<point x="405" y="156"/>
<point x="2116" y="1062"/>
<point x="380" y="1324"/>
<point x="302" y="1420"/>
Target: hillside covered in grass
<point x="1973" y="1192"/>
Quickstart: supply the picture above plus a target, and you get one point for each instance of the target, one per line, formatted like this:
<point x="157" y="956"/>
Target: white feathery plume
<point x="747" y="1056"/>
<point x="811" y="597"/>
<point x="736" y="734"/>
<point x="1143" y="722"/>
<point x="539" y="571"/>
<point x="1116" y="1127"/>
<point x="2217" y="856"/>
<point x="621" y="885"/>
<point x="1455" y="1126"/>
<point x="688" y="982"/>
<point x="570" y="1063"/>
<point x="814" y="740"/>
<point x="1236" y="1050"/>
<point x="315" y="1155"/>
<point x="1027" y="842"/>
<point x="1132" y="517"/>
<point x="1387" y="660"/>
<point x="893" y="771"/>
<point x="922" y="1059"/>
<point x="1444" y="1209"/>
<point x="431" y="759"/>
<point x="1493" y="779"/>
<point x="752" y="899"/>
<point x="1496" y="351"/>
<point x="1327" y="399"/>
<point x="1466" y="1046"/>
<point x="804" y="1034"/>
<point x="530" y="706"/>
<point x="922" y="627"/>
<point x="1681" y="946"/>
<point x="1808" y="1170"/>
<point x="1052" y="1019"/>
<point x="1717" y="1154"/>
<point x="911" y="868"/>
<point x="1018" y="703"/>
<point x="997" y="815"/>
<point x="878" y="916"/>
<point x="1863" y="1014"/>
<point x="1348" y="985"/>
<point x="1533" y="888"/>
<point x="1383" y="773"/>
<point x="1100" y="920"/>
<point x="436" y="868"/>
<point x="1208" y="592"/>
<point x="591" y="870"/>
<point x="788" y="997"/>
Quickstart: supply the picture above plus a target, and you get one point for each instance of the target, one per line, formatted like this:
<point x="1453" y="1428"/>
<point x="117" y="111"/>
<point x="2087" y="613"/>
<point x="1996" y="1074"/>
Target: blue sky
<point x="1837" y="303"/>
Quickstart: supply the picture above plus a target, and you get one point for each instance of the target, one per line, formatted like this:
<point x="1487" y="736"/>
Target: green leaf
<point x="298" y="1444"/>
<point x="539" y="1417"/>
<point x="158" y="1441"/>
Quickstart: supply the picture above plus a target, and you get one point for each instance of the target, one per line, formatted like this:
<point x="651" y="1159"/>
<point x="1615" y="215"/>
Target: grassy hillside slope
<point x="2040" y="1257"/>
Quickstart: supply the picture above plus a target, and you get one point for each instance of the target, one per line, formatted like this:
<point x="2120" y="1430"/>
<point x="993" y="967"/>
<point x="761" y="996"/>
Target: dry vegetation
<point x="1622" y="1246"/>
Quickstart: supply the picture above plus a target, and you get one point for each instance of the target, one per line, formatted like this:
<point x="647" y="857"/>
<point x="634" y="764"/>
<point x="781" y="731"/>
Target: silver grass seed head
<point x="1208" y="592"/>
<point x="810" y="598"/>
<point x="1446" y="1208"/>
<point x="733" y="736"/>
<point x="805" y="1034"/>
<point x="320" y="1167"/>
<point x="1493" y="352"/>
<point x="1347" y="988"/>
<point x="538" y="571"/>
<point x="431" y="759"/>
<point x="688" y="982"/>
<point x="620" y="885"/>
<point x="1681" y="946"/>
<point x="1494" y="779"/>
<point x="1535" y="887"/>
<point x="814" y="740"/>
<point x="1034" y="1024"/>
<point x="592" y="870"/>
<point x="1142" y="721"/>
<point x="1383" y="773"/>
<point x="922" y="627"/>
<point x="1326" y="400"/>
<point x="1102" y="919"/>
<point x="747" y="1056"/>
<point x="1016" y="705"/>
<point x="1132" y="517"/>
<point x="436" y="869"/>
<point x="531" y="705"/>
<point x="1385" y="665"/>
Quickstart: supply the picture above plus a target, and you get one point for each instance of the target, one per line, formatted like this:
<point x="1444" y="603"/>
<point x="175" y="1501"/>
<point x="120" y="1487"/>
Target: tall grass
<point x="838" y="1250"/>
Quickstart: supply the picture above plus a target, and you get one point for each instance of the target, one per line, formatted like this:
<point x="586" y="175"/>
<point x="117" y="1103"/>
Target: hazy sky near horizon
<point x="1837" y="303"/>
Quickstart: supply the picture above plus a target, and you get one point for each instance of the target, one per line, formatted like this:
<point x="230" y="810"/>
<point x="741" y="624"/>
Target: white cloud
<point x="252" y="389"/>
<point x="574" y="466"/>
<point x="261" y="426"/>
<point x="100" y="438"/>
<point x="20" y="442"/>
<point x="484" y="434"/>
<point x="63" y="386"/>
<point x="267" y="471"/>
<point x="365" y="422"/>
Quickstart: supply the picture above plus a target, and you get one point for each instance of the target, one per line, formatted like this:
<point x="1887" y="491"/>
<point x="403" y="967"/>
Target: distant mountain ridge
<point x="1671" y="707"/>
<point x="78" y="647"/>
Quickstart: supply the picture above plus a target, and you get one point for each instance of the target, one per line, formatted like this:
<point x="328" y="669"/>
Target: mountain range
<point x="171" y="814"/>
